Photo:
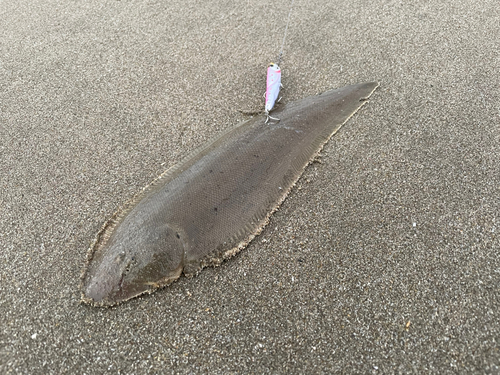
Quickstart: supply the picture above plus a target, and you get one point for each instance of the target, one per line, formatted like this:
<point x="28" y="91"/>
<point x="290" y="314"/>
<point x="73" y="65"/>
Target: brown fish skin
<point x="214" y="202"/>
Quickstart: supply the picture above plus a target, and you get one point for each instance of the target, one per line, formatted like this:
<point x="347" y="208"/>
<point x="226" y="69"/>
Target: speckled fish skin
<point x="214" y="202"/>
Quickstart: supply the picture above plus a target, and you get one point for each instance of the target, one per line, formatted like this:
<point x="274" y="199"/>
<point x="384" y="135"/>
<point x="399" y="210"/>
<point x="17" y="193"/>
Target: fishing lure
<point x="273" y="85"/>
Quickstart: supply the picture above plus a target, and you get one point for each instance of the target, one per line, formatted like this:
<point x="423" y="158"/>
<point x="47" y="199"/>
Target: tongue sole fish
<point x="214" y="202"/>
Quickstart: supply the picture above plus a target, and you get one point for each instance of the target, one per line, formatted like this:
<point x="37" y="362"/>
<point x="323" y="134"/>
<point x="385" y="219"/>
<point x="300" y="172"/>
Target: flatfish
<point x="215" y="201"/>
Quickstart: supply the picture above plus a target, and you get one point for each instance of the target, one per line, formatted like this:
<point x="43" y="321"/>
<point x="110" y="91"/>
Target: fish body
<point x="214" y="202"/>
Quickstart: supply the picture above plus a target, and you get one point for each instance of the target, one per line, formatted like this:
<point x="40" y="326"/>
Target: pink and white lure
<point x="273" y="85"/>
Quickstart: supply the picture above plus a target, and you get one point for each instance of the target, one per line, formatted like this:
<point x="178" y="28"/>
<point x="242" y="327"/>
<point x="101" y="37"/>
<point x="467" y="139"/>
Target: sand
<point x="384" y="258"/>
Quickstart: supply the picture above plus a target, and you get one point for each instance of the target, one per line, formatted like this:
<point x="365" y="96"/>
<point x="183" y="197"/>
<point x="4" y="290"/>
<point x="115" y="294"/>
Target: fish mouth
<point x="101" y="292"/>
<point x="97" y="294"/>
<point x="107" y="283"/>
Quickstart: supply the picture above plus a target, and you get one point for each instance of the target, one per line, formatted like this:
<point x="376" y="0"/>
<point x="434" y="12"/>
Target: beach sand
<point x="383" y="259"/>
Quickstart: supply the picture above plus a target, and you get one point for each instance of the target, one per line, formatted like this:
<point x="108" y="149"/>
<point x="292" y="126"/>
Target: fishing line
<point x="284" y="36"/>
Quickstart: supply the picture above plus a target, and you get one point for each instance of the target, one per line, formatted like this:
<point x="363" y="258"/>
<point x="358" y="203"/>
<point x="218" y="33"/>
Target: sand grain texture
<point x="384" y="257"/>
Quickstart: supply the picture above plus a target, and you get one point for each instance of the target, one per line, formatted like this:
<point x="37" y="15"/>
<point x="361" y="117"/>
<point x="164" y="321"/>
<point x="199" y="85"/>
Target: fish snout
<point x="156" y="260"/>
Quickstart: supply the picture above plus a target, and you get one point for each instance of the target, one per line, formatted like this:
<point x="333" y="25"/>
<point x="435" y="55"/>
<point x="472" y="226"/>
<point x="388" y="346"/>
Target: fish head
<point x="132" y="261"/>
